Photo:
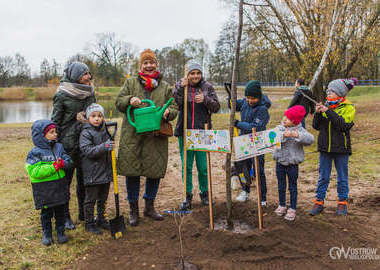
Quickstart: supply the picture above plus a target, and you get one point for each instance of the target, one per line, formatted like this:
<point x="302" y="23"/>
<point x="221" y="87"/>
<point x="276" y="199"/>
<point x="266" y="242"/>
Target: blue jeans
<point x="263" y="181"/>
<point x="133" y="188"/>
<point x="341" y="166"/>
<point x="292" y="172"/>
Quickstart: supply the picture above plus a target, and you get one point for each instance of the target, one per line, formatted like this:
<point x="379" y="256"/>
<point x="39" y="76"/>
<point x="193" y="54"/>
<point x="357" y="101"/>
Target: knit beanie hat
<point x="75" y="71"/>
<point x="147" y="54"/>
<point x="49" y="127"/>
<point x="192" y="66"/>
<point x="295" y="114"/>
<point x="94" y="107"/>
<point x="342" y="86"/>
<point x="253" y="89"/>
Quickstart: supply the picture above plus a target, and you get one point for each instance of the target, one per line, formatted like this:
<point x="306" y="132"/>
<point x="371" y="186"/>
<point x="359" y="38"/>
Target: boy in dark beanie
<point x="95" y="146"/>
<point x="300" y="99"/>
<point x="254" y="114"/>
<point x="334" y="121"/>
<point x="45" y="164"/>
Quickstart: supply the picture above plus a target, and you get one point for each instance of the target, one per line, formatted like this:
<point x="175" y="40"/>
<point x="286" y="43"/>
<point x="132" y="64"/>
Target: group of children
<point x="333" y="120"/>
<point x="47" y="161"/>
<point x="46" y="164"/>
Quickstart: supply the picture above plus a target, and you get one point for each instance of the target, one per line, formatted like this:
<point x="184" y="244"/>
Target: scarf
<point x="149" y="81"/>
<point x="76" y="90"/>
<point x="332" y="103"/>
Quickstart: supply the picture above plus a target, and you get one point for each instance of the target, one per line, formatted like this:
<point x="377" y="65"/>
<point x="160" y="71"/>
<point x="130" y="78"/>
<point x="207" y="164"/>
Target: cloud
<point x="61" y="28"/>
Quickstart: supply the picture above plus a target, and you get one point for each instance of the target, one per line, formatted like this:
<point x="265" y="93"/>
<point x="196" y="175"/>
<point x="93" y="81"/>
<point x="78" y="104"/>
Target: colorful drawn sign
<point x="264" y="142"/>
<point x="208" y="140"/>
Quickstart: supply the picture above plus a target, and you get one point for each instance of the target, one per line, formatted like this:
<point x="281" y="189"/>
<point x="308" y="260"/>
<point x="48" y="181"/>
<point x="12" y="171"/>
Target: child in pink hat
<point x="294" y="138"/>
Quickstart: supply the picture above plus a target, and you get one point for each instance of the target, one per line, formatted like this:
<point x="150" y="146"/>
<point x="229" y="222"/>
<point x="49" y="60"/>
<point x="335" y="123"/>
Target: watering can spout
<point x="162" y="110"/>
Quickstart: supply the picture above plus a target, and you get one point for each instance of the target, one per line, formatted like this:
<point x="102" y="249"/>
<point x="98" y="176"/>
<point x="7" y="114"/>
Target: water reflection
<point x="30" y="111"/>
<point x="26" y="111"/>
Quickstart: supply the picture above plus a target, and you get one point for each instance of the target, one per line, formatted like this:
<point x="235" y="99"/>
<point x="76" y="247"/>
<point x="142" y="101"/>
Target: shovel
<point x="117" y="224"/>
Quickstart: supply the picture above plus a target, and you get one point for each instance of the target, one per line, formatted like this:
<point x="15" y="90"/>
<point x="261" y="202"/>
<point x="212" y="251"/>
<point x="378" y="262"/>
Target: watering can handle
<point x="151" y="103"/>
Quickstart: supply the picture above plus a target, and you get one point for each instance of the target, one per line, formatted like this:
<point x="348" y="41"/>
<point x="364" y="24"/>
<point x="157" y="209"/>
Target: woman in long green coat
<point x="143" y="154"/>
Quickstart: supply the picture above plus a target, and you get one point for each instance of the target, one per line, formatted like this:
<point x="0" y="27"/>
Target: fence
<point x="291" y="84"/>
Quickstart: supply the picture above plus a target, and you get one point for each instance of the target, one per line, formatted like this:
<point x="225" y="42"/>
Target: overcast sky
<point x="58" y="29"/>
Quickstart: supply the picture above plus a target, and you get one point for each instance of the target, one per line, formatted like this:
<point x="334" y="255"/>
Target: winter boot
<point x="90" y="224"/>
<point x="134" y="214"/>
<point x="204" y="198"/>
<point x="317" y="207"/>
<point x="341" y="208"/>
<point x="47" y="237"/>
<point x="101" y="221"/>
<point x="186" y="204"/>
<point x="149" y="210"/>
<point x="92" y="227"/>
<point x="69" y="225"/>
<point x="61" y="236"/>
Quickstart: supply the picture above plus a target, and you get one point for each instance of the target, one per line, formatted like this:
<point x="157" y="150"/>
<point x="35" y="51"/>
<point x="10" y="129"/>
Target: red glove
<point x="56" y="166"/>
<point x="61" y="163"/>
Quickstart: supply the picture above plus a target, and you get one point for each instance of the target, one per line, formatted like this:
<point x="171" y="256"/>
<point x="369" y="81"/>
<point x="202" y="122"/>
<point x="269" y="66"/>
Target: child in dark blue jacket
<point x="45" y="164"/>
<point x="254" y="114"/>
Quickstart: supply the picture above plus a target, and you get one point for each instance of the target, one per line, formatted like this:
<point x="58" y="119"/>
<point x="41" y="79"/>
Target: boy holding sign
<point x="254" y="114"/>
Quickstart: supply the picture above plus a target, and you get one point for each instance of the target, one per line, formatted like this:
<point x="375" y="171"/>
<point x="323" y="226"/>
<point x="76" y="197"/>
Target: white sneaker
<point x="280" y="211"/>
<point x="264" y="203"/>
<point x="290" y="215"/>
<point x="235" y="183"/>
<point x="243" y="196"/>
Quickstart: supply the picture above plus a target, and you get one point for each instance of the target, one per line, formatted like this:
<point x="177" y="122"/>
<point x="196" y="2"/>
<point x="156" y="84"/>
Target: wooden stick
<point x="184" y="166"/>
<point x="209" y="187"/>
<point x="258" y="187"/>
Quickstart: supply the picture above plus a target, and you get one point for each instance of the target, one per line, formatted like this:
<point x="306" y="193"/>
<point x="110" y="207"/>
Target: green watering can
<point x="147" y="118"/>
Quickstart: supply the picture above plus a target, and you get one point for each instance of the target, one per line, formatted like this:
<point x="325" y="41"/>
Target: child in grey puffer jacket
<point x="289" y="156"/>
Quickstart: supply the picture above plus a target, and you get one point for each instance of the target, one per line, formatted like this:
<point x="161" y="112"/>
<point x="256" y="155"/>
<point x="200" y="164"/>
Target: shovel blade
<point x="117" y="225"/>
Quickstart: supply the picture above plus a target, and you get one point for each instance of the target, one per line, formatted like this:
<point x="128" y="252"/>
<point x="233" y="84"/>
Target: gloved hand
<point x="56" y="166"/>
<point x="236" y="122"/>
<point x="109" y="145"/>
<point x="61" y="163"/>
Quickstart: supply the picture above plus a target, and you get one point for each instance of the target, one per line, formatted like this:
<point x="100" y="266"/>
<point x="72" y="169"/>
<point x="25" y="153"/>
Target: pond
<point x="30" y="111"/>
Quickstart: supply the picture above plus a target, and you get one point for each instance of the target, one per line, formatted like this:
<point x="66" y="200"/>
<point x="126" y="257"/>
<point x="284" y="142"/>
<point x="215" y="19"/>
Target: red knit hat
<point x="295" y="114"/>
<point x="49" y="127"/>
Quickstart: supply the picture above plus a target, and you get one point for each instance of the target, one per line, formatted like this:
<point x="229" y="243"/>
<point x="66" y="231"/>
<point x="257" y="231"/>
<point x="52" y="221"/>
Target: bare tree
<point x="299" y="30"/>
<point x="114" y="57"/>
<point x="6" y="70"/>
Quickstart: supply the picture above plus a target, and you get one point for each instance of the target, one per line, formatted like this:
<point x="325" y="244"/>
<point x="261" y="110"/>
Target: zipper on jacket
<point x="345" y="140"/>
<point x="329" y="149"/>
<point x="192" y="126"/>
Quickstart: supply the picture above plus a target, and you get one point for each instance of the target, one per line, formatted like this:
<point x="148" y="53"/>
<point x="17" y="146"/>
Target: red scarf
<point x="148" y="80"/>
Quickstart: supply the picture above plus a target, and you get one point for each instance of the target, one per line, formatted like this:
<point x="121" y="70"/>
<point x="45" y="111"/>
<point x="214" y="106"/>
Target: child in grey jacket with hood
<point x="95" y="146"/>
<point x="289" y="156"/>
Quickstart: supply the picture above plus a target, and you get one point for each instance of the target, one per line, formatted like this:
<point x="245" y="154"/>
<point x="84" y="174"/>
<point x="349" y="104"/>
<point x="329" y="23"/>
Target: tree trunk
<point x="232" y="114"/>
<point x="327" y="49"/>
